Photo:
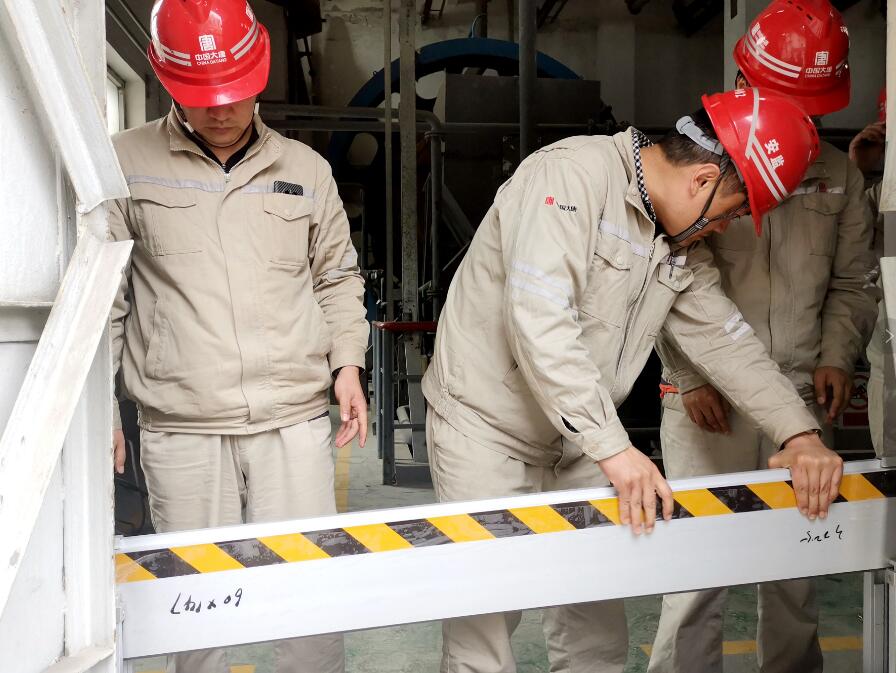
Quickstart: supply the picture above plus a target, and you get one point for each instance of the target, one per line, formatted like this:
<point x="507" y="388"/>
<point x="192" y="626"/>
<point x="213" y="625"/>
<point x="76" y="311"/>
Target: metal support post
<point x="388" y="376"/>
<point x="890" y="629"/>
<point x="528" y="73"/>
<point x="387" y="105"/>
<point x="435" y="181"/>
<point x="481" y="20"/>
<point x="874" y="621"/>
<point x="407" y="122"/>
<point x="376" y="342"/>
<point x="387" y="406"/>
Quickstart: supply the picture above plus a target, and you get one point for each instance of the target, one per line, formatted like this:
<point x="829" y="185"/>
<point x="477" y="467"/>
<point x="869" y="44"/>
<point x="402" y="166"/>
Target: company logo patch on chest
<point x="817" y="187"/>
<point x="551" y="201"/>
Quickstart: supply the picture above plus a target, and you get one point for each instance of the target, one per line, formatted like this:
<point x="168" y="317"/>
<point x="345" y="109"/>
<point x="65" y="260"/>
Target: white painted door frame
<point x="64" y="405"/>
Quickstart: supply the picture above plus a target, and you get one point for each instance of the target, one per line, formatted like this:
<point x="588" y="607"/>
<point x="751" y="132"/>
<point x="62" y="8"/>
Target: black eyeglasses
<point x="741" y="211"/>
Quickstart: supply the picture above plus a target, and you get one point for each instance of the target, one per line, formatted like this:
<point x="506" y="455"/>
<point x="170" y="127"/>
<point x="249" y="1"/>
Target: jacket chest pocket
<point x="607" y="293"/>
<point x="167" y="220"/>
<point x="820" y="215"/>
<point x="288" y="219"/>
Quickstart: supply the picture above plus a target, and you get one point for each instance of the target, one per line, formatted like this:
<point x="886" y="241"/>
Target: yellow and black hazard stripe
<point x="471" y="527"/>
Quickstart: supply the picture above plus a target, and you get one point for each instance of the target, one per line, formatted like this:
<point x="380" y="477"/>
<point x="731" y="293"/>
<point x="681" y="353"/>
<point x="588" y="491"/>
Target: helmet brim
<point x="832" y="101"/>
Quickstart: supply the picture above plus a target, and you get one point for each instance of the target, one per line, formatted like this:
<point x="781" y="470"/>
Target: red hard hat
<point x="769" y="138"/>
<point x="882" y="105"/>
<point x="800" y="49"/>
<point x="209" y="52"/>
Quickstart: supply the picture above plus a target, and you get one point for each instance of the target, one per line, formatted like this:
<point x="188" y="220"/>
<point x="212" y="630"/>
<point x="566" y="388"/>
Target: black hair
<point x="680" y="150"/>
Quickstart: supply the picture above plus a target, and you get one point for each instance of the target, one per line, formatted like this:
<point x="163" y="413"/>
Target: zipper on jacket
<point x="253" y="150"/>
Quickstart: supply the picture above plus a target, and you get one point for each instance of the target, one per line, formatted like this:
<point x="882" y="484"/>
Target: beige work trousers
<point x="689" y="635"/>
<point x="202" y="481"/>
<point x="583" y="638"/>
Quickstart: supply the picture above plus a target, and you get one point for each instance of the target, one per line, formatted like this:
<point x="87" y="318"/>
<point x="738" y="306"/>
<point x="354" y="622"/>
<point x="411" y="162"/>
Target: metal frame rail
<point x="387" y="375"/>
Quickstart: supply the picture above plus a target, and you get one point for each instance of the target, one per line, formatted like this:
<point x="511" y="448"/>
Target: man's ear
<point x="704" y="177"/>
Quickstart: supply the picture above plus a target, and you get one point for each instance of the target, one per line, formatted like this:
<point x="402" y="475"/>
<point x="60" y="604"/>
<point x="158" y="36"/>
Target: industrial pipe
<point x="387" y="103"/>
<point x="528" y="73"/>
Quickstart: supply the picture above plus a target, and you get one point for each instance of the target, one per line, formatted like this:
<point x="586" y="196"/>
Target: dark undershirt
<point x="235" y="158"/>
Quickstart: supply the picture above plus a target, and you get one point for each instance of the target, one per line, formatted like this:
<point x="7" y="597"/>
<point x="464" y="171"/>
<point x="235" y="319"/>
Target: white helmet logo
<point x="759" y="37"/>
<point x="207" y="42"/>
<point x="771" y="147"/>
<point x="821" y="57"/>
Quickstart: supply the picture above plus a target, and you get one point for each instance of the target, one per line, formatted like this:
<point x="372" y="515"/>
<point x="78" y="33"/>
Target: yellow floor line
<point x="840" y="643"/>
<point x="343" y="458"/>
<point x="733" y="647"/>
<point x="828" y="644"/>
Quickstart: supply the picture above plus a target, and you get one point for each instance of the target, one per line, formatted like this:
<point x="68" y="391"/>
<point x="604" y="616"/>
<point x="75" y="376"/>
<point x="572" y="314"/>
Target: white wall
<point x="31" y="268"/>
<point x="33" y="626"/>
<point x="70" y="549"/>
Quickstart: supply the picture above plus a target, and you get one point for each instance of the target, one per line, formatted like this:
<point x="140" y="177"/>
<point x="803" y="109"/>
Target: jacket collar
<point x="263" y="153"/>
<point x="623" y="142"/>
<point x="179" y="141"/>
<point x="817" y="171"/>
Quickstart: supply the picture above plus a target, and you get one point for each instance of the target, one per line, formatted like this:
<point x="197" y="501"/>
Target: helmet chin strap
<point x="701" y="222"/>
<point x="695" y="228"/>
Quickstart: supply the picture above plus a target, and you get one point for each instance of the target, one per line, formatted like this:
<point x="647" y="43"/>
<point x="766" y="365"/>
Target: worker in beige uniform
<point x="867" y="150"/>
<point x="554" y="310"/>
<point x="801" y="286"/>
<point x="241" y="304"/>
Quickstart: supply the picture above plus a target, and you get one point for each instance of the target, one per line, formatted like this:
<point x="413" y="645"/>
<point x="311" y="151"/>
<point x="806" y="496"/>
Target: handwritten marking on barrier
<point x="827" y="536"/>
<point x="195" y="606"/>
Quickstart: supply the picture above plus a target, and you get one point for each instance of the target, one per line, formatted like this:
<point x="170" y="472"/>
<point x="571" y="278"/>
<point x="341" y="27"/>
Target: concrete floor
<point x="416" y="648"/>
